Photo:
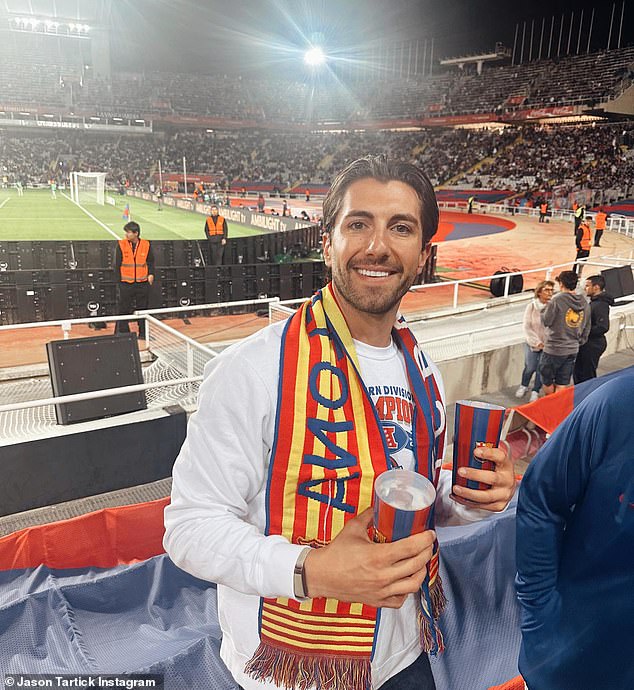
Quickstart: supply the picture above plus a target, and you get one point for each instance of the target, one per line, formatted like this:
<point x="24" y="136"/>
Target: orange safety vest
<point x="600" y="220"/>
<point x="543" y="208"/>
<point x="215" y="228"/>
<point x="134" y="267"/>
<point x="585" y="237"/>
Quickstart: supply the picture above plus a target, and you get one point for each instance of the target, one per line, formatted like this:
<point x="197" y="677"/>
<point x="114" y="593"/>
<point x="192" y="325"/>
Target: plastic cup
<point x="476" y="424"/>
<point x="402" y="502"/>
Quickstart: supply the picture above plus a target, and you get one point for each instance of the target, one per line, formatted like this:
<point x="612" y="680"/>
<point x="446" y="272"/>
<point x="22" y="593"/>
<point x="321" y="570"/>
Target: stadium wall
<point x="470" y="376"/>
<point x="242" y="215"/>
<point x="623" y="105"/>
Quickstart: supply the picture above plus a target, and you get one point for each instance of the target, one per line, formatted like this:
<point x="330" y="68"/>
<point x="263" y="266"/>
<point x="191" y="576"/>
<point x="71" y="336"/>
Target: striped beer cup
<point x="402" y="501"/>
<point x="476" y="424"/>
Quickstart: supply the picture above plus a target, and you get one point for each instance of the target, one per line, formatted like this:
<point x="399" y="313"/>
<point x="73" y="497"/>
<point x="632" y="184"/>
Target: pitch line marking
<point x="89" y="214"/>
<point x="4" y="202"/>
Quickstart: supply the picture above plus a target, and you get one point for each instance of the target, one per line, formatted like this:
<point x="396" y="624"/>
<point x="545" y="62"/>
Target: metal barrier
<point x="615" y="223"/>
<point x="173" y="377"/>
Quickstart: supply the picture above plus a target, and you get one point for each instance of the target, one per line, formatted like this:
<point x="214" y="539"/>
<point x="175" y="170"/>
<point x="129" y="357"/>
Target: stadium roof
<point x="97" y="11"/>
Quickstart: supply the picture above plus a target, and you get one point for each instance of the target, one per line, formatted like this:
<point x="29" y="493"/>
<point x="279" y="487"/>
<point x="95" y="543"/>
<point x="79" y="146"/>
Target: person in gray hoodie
<point x="567" y="321"/>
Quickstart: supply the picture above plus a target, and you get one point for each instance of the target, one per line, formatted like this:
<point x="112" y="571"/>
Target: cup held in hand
<point x="477" y="424"/>
<point x="402" y="503"/>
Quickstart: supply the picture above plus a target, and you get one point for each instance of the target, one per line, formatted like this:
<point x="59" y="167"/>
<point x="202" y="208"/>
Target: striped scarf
<point x="328" y="449"/>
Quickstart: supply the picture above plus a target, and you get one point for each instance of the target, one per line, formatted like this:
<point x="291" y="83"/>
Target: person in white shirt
<point x="535" y="334"/>
<point x="273" y="485"/>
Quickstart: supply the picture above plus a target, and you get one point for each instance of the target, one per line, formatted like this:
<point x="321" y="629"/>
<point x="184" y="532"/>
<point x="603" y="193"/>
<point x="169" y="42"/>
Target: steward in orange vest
<point x="583" y="242"/>
<point x="543" y="211"/>
<point x="216" y="232"/>
<point x="583" y="236"/>
<point x="135" y="263"/>
<point x="600" y="220"/>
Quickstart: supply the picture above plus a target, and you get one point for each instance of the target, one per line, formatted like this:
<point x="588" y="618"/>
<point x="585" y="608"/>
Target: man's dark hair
<point x="597" y="280"/>
<point x="384" y="170"/>
<point x="568" y="279"/>
<point x="132" y="227"/>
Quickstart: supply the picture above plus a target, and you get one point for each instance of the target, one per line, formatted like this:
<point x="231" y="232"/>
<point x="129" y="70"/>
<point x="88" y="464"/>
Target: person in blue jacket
<point x="575" y="548"/>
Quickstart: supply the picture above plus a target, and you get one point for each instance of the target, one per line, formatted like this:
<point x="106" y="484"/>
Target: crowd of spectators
<point x="36" y="72"/>
<point x="551" y="159"/>
<point x="598" y="157"/>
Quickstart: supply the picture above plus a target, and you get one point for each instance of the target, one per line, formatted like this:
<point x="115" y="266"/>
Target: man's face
<point x="375" y="249"/>
<point x="214" y="210"/>
<point x="592" y="290"/>
<point x="131" y="236"/>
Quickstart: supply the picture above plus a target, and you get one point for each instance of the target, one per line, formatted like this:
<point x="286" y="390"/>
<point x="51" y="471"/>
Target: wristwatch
<point x="299" y="576"/>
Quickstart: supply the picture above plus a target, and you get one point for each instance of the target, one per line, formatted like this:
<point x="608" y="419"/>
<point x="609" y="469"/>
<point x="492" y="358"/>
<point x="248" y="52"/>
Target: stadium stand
<point x="53" y="74"/>
<point x="553" y="160"/>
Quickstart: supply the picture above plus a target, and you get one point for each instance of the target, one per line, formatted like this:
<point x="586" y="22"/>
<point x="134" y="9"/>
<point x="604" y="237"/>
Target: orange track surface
<point x="528" y="245"/>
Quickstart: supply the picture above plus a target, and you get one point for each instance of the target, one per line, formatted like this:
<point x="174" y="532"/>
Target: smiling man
<point x="273" y="486"/>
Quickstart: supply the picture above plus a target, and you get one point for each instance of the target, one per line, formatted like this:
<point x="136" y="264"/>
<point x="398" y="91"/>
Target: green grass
<point x="36" y="216"/>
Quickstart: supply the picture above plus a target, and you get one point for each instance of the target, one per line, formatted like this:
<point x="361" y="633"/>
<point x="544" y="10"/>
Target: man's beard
<point x="378" y="300"/>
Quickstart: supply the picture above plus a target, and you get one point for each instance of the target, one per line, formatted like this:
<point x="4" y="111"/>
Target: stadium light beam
<point x="315" y="56"/>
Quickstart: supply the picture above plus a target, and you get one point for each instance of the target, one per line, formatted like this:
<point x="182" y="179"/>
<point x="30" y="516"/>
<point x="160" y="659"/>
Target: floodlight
<point x="314" y="56"/>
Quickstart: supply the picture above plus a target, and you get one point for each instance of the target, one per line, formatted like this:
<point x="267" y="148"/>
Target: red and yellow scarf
<point x="328" y="449"/>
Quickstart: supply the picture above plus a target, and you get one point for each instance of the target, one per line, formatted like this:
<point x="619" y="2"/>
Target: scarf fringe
<point x="296" y="671"/>
<point x="431" y="637"/>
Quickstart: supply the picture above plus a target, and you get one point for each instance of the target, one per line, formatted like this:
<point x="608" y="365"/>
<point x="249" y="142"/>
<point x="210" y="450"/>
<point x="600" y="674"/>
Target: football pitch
<point x="37" y="216"/>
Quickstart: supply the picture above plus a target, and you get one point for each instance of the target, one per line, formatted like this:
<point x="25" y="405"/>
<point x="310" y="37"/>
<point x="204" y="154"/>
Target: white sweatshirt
<point x="215" y="522"/>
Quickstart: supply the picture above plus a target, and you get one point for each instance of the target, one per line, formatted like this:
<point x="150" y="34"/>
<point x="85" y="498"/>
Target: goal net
<point x="88" y="187"/>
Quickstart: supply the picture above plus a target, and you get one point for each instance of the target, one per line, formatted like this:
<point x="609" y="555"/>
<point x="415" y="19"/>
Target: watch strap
<point x="299" y="577"/>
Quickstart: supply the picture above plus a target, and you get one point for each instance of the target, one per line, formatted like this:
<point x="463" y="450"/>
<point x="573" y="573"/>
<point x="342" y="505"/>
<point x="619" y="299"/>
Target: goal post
<point x="88" y="187"/>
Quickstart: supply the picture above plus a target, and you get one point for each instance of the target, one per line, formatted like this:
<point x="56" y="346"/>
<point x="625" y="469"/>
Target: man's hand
<point x="150" y="279"/>
<point x="353" y="568"/>
<point x="501" y="481"/>
<point x="223" y="241"/>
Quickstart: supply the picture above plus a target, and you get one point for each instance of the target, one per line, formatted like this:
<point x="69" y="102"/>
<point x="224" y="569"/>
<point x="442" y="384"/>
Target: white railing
<point x="455" y="285"/>
<point x="450" y="346"/>
<point x="615" y="223"/>
<point x="93" y="395"/>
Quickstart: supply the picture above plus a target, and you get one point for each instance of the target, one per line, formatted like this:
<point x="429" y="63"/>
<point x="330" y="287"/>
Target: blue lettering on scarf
<point x="313" y="384"/>
<point x="320" y="428"/>
<point x="336" y="501"/>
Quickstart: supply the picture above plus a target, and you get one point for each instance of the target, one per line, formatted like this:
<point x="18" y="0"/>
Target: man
<point x="583" y="242"/>
<point x="272" y="486"/>
<point x="579" y="213"/>
<point x="543" y="211"/>
<point x="567" y="321"/>
<point x="159" y="199"/>
<point x="590" y="352"/>
<point x="575" y="555"/>
<point x="134" y="261"/>
<point x="260" y="203"/>
<point x="599" y="226"/>
<point x="470" y="203"/>
<point x="216" y="232"/>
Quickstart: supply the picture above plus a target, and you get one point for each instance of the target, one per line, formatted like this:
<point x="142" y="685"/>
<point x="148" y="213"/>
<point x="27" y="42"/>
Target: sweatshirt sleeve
<point x="548" y="315"/>
<point x="587" y="323"/>
<point x="553" y="483"/>
<point x="211" y="523"/>
<point x="532" y="337"/>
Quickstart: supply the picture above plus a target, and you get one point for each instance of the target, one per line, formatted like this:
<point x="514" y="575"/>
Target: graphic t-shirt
<point x="383" y="371"/>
